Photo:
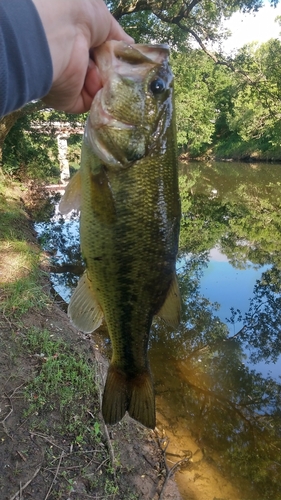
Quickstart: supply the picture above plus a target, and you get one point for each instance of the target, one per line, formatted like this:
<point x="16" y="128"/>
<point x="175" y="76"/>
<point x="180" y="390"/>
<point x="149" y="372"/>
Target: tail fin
<point x="126" y="393"/>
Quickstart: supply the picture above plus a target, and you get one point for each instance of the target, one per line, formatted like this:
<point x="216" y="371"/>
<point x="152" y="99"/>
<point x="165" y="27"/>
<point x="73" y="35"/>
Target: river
<point x="217" y="378"/>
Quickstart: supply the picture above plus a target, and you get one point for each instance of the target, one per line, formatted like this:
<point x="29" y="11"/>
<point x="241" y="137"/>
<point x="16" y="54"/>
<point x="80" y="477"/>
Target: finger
<point x="117" y="33"/>
<point x="93" y="80"/>
<point x="91" y="86"/>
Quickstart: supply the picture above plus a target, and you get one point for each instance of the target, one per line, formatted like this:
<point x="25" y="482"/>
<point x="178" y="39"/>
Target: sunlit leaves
<point x="253" y="118"/>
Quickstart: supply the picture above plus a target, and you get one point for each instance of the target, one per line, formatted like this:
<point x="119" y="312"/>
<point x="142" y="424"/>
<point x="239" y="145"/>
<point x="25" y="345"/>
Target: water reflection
<point x="60" y="239"/>
<point x="232" y="411"/>
<point x="210" y="396"/>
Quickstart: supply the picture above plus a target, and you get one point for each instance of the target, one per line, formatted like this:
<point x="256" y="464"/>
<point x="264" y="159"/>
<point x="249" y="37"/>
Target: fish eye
<point x="157" y="86"/>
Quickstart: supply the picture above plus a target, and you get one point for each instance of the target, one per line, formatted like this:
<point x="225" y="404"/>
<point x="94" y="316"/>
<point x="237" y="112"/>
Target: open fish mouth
<point x="122" y="56"/>
<point x="102" y="117"/>
<point x="97" y="120"/>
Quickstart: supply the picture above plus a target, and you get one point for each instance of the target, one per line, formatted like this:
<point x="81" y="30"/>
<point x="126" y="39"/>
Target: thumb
<point x="117" y="33"/>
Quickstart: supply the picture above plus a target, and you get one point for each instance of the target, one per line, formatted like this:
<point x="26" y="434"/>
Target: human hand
<point x="73" y="29"/>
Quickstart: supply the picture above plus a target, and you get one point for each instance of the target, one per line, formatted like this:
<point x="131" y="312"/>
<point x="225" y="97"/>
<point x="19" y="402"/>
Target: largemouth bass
<point x="127" y="191"/>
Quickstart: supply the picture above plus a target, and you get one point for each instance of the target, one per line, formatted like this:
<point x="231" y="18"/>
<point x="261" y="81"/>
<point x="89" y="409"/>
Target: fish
<point x="128" y="196"/>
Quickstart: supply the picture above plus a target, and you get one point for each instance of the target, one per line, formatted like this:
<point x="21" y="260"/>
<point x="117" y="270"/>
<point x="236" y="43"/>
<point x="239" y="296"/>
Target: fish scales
<point x="129" y="240"/>
<point x="126" y="261"/>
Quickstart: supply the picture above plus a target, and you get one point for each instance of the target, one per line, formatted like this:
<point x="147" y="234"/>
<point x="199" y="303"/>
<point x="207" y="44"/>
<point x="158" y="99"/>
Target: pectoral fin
<point x="84" y="310"/>
<point x="71" y="199"/>
<point x="171" y="309"/>
<point x="102" y="201"/>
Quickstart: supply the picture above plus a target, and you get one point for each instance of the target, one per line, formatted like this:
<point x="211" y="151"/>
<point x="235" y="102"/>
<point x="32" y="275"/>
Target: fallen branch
<point x="19" y="492"/>
<point x="46" y="438"/>
<point x="170" y="473"/>
<point x="55" y="476"/>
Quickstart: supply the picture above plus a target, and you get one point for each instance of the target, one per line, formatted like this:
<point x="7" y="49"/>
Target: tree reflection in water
<point x="233" y="411"/>
<point x="60" y="239"/>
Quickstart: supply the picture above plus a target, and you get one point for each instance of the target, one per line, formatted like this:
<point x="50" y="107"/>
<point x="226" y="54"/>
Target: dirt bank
<point x="54" y="444"/>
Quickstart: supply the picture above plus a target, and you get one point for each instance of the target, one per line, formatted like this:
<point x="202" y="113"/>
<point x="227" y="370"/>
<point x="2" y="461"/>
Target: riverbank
<point x="54" y="443"/>
<point x="236" y="151"/>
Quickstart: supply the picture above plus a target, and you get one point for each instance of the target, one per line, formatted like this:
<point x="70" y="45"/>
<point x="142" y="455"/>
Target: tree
<point x="177" y="22"/>
<point x="252" y="118"/>
<point x="194" y="104"/>
<point x="31" y="148"/>
<point x="7" y="122"/>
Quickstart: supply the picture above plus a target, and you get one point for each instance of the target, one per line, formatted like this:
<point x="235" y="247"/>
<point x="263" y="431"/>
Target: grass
<point x="64" y="394"/>
<point x="22" y="287"/>
<point x="20" y="273"/>
<point x="65" y="383"/>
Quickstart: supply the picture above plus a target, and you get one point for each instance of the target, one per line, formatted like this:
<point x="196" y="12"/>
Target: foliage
<point x="29" y="153"/>
<point x="194" y="105"/>
<point x="178" y="22"/>
<point x="30" y="149"/>
<point x="65" y="382"/>
<point x="252" y="118"/>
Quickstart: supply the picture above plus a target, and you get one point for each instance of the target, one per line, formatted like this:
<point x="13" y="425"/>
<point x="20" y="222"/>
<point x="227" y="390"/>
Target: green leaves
<point x="195" y="107"/>
<point x="253" y="116"/>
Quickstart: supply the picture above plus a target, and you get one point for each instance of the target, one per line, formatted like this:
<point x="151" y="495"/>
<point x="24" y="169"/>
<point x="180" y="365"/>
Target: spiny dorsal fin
<point x="71" y="199"/>
<point x="84" y="310"/>
<point x="171" y="309"/>
<point x="133" y="394"/>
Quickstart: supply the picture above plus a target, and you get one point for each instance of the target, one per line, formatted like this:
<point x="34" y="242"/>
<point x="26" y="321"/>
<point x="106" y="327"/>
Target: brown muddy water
<point x="217" y="378"/>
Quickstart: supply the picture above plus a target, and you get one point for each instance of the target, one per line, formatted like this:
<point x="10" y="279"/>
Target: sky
<point x="232" y="287"/>
<point x="247" y="28"/>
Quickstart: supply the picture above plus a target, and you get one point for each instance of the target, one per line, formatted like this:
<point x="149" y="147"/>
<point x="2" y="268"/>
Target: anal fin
<point x="84" y="310"/>
<point x="171" y="309"/>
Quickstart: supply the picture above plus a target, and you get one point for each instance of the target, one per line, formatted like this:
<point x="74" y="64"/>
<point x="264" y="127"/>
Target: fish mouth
<point x="118" y="54"/>
<point x="99" y="118"/>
